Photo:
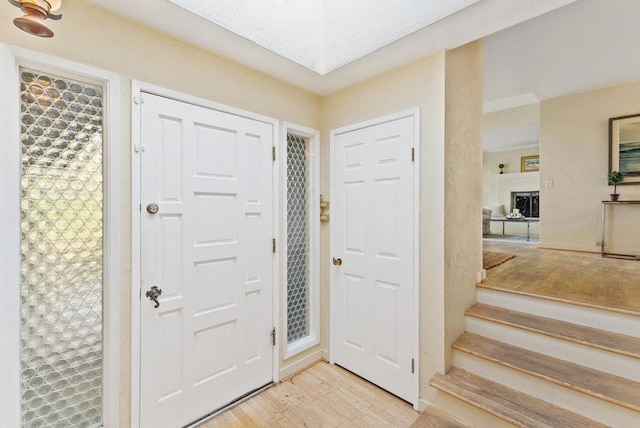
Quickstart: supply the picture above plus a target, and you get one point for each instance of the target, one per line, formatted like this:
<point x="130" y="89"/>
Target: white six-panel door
<point x="208" y="248"/>
<point x="373" y="236"/>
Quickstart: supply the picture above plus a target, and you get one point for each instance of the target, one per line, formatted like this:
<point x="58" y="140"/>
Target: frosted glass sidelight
<point x="61" y="270"/>
<point x="297" y="238"/>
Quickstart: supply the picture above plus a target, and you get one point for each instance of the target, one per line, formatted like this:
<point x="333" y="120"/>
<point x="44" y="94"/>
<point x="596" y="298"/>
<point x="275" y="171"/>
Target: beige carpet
<point x="492" y="259"/>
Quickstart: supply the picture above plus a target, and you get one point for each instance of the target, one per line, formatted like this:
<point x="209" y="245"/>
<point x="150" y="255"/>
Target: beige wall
<point x="96" y="37"/>
<point x="463" y="187"/>
<point x="574" y="146"/>
<point x="510" y="159"/>
<point x="512" y="117"/>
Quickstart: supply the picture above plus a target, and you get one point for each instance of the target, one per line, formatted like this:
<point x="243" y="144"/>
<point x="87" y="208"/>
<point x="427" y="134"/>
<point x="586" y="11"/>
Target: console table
<point x="604" y="223"/>
<point x="517" y="220"/>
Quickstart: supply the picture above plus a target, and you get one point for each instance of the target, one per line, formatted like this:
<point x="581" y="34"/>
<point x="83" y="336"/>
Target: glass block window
<point x="297" y="238"/>
<point x="61" y="247"/>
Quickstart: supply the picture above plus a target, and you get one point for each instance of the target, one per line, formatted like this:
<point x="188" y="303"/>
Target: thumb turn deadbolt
<point x="337" y="261"/>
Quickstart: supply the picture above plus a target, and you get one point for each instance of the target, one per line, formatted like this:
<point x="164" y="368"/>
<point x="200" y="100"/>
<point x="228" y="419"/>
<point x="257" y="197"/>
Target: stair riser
<point x="467" y="413"/>
<point x="609" y="362"/>
<point x="590" y="407"/>
<point x="604" y="320"/>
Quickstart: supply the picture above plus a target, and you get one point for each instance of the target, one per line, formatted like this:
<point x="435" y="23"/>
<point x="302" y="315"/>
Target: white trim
<point x="111" y="224"/>
<point x="137" y="89"/>
<point x="301" y="364"/>
<point x="415" y="114"/>
<point x="416" y="256"/>
<point x="10" y="360"/>
<point x="313" y="137"/>
<point x="276" y="257"/>
<point x="136" y="147"/>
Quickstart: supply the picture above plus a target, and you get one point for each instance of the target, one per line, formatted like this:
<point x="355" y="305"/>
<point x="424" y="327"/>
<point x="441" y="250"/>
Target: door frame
<point x="138" y="88"/>
<point x="10" y="359"/>
<point x="415" y="114"/>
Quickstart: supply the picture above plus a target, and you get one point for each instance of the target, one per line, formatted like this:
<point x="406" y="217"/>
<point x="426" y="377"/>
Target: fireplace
<point x="527" y="202"/>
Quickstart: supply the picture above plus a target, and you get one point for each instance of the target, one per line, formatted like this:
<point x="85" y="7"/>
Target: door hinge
<point x="413" y="154"/>
<point x="273" y="336"/>
<point x="274" y="246"/>
<point x="413" y="366"/>
<point x="273" y="152"/>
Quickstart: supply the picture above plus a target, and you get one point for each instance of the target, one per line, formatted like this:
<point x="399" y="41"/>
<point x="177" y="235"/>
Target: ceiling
<point x="388" y="34"/>
<point x="323" y="35"/>
<point x="534" y="49"/>
<point x="586" y="45"/>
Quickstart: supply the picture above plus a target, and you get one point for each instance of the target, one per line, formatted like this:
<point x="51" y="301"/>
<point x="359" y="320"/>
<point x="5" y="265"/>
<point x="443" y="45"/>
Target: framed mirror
<point x="624" y="147"/>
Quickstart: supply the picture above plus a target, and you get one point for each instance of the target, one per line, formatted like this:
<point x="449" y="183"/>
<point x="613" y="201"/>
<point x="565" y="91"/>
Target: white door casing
<point x="373" y="230"/>
<point x="209" y="250"/>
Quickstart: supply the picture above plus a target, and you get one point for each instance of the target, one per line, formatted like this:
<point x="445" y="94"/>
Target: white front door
<point x="208" y="248"/>
<point x="372" y="234"/>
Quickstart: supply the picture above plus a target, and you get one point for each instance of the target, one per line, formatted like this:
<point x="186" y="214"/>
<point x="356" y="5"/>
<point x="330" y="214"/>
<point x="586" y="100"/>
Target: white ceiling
<point x="347" y="20"/>
<point x="534" y="49"/>
<point x="323" y="35"/>
<point x="586" y="45"/>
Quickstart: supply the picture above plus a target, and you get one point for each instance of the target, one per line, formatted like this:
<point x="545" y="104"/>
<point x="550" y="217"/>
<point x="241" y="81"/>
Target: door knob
<point x="153" y="294"/>
<point x="337" y="261"/>
<point x="153" y="208"/>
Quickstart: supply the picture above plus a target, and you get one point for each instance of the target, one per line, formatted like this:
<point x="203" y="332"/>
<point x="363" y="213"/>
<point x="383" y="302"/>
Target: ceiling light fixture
<point x="36" y="11"/>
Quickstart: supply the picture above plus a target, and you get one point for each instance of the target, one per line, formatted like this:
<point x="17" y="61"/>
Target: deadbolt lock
<point x="153" y="208"/>
<point x="337" y="261"/>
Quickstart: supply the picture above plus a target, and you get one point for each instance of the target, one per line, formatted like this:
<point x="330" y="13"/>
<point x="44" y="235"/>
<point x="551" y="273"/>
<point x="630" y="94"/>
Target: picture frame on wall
<point x="530" y="163"/>
<point x="624" y="147"/>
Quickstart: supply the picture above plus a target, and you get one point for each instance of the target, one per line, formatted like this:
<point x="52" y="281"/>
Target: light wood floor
<point x="587" y="278"/>
<point x="322" y="396"/>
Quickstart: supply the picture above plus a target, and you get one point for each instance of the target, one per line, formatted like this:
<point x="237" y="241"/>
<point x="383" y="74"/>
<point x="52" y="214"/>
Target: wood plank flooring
<point x="322" y="396"/>
<point x="582" y="278"/>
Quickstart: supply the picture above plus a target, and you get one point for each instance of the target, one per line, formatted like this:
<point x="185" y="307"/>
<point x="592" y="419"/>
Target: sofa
<point x="486" y="221"/>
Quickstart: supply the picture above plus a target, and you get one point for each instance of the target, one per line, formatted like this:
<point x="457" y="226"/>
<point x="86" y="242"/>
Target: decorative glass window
<point x="302" y="238"/>
<point x="62" y="251"/>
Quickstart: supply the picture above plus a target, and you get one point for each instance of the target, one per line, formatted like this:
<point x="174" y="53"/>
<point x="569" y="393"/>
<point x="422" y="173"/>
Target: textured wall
<point x="574" y="144"/>
<point x="463" y="185"/>
<point x="93" y="36"/>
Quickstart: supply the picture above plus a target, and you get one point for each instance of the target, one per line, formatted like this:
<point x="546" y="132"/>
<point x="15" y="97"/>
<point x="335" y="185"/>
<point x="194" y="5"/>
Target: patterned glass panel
<point x="61" y="270"/>
<point x="297" y="238"/>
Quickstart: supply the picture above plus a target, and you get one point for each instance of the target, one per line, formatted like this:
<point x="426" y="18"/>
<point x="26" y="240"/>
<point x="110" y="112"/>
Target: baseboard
<point x="304" y="363"/>
<point x="482" y="275"/>
<point x="565" y="247"/>
<point x="325" y="355"/>
<point x="423" y="404"/>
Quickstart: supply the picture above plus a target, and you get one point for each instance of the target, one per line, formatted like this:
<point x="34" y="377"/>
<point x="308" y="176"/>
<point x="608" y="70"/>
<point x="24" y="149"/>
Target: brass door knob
<point x="337" y="261"/>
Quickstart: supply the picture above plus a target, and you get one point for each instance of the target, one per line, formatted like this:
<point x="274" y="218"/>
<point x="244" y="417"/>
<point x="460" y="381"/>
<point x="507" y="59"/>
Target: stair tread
<point x="601" y="339"/>
<point x="506" y="403"/>
<point x="608" y="387"/>
<point x="433" y="417"/>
